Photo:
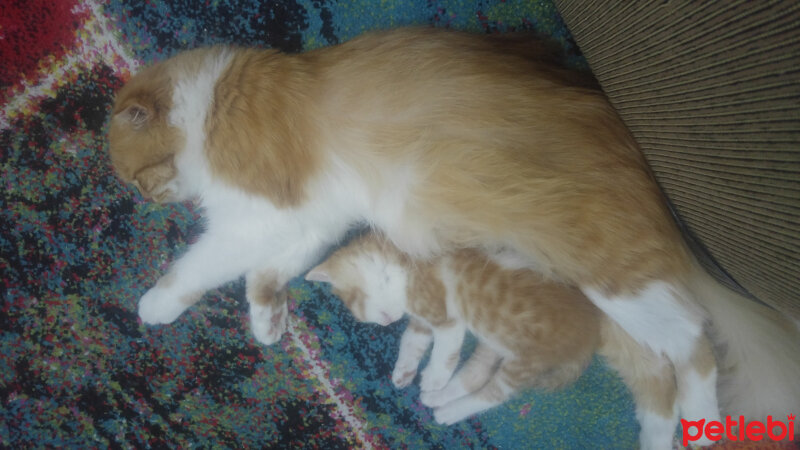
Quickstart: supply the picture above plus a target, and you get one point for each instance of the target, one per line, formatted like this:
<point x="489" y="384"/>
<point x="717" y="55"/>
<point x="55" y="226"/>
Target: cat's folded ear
<point x="137" y="115"/>
<point x="319" y="273"/>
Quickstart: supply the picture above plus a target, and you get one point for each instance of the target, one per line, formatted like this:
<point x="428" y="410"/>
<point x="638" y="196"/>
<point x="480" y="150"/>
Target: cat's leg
<point x="478" y="369"/>
<point x="268" y="259"/>
<point x="447" y="340"/>
<point x="210" y="262"/>
<point x="496" y="391"/>
<point x="651" y="380"/>
<point x="269" y="311"/>
<point x="697" y="388"/>
<point x="266" y="284"/>
<point x="662" y="318"/>
<point x="415" y="341"/>
<point x="658" y="317"/>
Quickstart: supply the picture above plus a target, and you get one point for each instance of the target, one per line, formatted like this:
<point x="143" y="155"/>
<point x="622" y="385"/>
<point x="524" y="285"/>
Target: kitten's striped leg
<point x="473" y="375"/>
<point x="415" y="341"/>
<point x="447" y="340"/>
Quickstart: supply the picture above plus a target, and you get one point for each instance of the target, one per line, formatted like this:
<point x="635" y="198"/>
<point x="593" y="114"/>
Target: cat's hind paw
<point x="434" y="399"/>
<point x="449" y="414"/>
<point x="434" y="378"/>
<point x="268" y="322"/>
<point x="159" y="306"/>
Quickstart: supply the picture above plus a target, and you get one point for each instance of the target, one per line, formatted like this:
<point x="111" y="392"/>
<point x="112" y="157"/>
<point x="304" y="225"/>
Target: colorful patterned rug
<point x="78" y="248"/>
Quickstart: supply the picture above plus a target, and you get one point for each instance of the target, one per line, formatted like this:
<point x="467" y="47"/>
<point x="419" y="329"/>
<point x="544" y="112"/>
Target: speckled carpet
<point x="78" y="248"/>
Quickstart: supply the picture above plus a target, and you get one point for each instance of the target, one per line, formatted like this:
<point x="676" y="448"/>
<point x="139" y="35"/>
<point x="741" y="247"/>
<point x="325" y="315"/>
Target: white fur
<point x="657" y="432"/>
<point x="761" y="362"/>
<point x="476" y="372"/>
<point x="264" y="322"/>
<point x="384" y="284"/>
<point x="474" y="403"/>
<point x="159" y="306"/>
<point x="512" y="259"/>
<point x="441" y="365"/>
<point x="697" y="398"/>
<point x="243" y="232"/>
<point x="413" y="346"/>
<point x="247" y="233"/>
<point x="658" y="318"/>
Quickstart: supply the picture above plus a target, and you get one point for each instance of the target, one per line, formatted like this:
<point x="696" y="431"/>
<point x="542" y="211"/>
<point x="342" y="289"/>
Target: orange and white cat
<point x="532" y="332"/>
<point x="441" y="140"/>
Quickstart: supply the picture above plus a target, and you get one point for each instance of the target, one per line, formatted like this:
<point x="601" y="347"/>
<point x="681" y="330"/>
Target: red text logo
<point x="738" y="430"/>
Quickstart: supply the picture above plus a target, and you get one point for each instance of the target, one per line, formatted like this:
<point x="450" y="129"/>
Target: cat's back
<point x="423" y="71"/>
<point x="519" y="309"/>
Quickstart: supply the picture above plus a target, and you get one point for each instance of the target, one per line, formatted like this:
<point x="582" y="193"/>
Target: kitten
<point x="441" y="140"/>
<point x="535" y="332"/>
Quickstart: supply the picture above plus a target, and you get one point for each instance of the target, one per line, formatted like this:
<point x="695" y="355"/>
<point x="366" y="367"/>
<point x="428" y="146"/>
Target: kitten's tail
<point x="758" y="352"/>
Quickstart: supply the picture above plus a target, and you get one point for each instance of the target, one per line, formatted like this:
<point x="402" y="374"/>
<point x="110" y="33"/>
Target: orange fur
<point x="547" y="331"/>
<point x="505" y="149"/>
<point x="264" y="88"/>
<point x="550" y="328"/>
<point x="446" y="141"/>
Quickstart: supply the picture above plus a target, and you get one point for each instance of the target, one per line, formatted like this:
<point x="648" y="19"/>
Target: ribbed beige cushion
<point x="711" y="91"/>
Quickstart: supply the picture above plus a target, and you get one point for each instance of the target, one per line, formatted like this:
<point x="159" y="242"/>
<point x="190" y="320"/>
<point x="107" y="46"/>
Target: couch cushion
<point x="711" y="91"/>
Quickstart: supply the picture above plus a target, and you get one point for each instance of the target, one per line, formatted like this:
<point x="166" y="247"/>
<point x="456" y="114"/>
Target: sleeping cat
<point x="441" y="140"/>
<point x="538" y="333"/>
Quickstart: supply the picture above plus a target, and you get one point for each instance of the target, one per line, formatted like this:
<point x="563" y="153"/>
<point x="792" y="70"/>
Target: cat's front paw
<point x="434" y="378"/>
<point x="159" y="306"/>
<point x="268" y="322"/>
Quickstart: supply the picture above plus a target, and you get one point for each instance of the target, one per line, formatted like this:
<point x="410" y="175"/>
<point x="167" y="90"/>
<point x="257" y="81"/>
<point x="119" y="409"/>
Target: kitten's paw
<point x="449" y="414"/>
<point x="405" y="369"/>
<point x="159" y="306"/>
<point x="403" y="376"/>
<point x="434" y="378"/>
<point x="268" y="322"/>
<point x="434" y="399"/>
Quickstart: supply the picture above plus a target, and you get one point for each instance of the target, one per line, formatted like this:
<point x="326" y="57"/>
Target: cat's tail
<point x="758" y="352"/>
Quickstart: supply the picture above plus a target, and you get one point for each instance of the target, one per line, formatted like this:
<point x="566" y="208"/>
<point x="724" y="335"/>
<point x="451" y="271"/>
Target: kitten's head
<point x="369" y="278"/>
<point x="142" y="142"/>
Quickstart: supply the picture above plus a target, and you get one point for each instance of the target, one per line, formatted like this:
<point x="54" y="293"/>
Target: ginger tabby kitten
<point x="532" y="332"/>
<point x="441" y="140"/>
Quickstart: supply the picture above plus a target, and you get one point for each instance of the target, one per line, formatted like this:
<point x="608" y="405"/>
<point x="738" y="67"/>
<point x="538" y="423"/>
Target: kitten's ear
<point x="319" y="273"/>
<point x="136" y="114"/>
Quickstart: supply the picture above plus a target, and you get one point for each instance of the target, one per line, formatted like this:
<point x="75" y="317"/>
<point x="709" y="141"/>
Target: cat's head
<point x="142" y="142"/>
<point x="368" y="277"/>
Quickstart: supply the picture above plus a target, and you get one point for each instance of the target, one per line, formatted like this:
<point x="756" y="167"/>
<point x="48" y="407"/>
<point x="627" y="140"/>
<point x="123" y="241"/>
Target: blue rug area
<point x="78" y="249"/>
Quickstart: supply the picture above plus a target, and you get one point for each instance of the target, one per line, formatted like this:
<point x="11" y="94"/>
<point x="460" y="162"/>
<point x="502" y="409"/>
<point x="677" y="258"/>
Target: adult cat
<point x="441" y="140"/>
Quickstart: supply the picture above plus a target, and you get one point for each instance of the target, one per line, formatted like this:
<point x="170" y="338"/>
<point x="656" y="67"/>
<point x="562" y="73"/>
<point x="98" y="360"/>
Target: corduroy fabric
<point x="711" y="91"/>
